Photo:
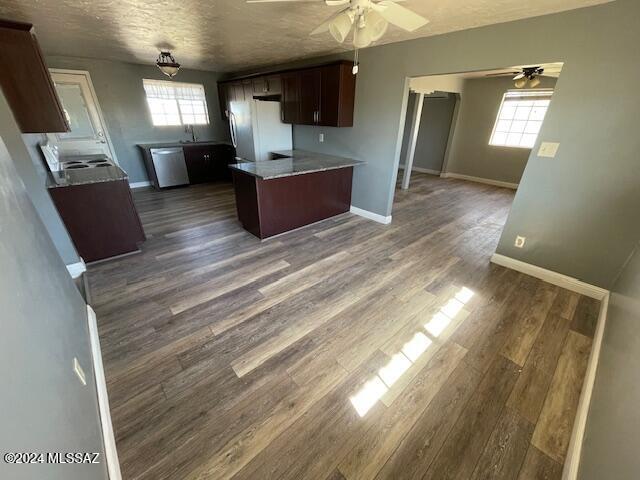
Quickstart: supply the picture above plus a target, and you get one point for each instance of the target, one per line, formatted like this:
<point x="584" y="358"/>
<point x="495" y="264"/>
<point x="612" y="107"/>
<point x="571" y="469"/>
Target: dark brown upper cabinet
<point x="247" y="90"/>
<point x="337" y="95"/>
<point x="224" y="93"/>
<point x="322" y="95"/>
<point x="310" y="83"/>
<point x="327" y="95"/>
<point x="232" y="91"/>
<point x="267" y="85"/>
<point x="274" y="85"/>
<point x="290" y="100"/>
<point x="26" y="82"/>
<point x="260" y="86"/>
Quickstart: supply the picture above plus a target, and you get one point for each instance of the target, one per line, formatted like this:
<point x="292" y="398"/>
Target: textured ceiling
<point x="229" y="35"/>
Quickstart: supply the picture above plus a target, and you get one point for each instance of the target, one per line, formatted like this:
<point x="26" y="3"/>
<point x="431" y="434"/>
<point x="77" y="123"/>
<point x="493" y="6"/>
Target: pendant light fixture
<point x="167" y="64"/>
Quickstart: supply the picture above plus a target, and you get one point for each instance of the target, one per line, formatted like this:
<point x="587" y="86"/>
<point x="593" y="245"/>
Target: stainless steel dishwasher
<point x="170" y="167"/>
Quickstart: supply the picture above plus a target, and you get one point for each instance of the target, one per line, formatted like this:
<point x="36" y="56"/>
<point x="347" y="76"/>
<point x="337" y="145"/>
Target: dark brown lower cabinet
<point x="101" y="218"/>
<point x="267" y="207"/>
<point x="208" y="163"/>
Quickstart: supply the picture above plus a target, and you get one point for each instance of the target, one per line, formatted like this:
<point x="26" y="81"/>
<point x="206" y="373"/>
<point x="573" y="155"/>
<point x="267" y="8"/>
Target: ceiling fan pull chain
<point x="356" y="63"/>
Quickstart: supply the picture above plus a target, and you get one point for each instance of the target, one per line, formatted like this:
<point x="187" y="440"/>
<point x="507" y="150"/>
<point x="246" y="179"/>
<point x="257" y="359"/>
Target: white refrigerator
<point x="257" y="129"/>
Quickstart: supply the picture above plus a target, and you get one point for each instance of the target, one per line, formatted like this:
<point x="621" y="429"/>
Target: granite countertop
<point x="84" y="176"/>
<point x="146" y="146"/>
<point x="294" y="162"/>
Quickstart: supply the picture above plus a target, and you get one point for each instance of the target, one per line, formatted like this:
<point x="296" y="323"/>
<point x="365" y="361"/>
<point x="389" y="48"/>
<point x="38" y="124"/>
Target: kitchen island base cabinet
<point x="268" y="207"/>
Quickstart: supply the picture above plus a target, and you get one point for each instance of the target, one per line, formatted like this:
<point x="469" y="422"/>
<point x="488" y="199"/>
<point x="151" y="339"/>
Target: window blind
<point x="175" y="103"/>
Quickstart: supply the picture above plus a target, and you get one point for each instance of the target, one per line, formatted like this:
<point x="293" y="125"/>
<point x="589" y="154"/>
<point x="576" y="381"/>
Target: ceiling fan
<point x="528" y="75"/>
<point x="369" y="18"/>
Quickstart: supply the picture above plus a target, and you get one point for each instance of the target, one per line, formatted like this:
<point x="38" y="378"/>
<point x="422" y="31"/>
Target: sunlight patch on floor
<point x="373" y="390"/>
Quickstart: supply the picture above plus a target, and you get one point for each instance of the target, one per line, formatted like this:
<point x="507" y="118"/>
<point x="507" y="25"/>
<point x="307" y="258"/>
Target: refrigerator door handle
<point x="232" y="129"/>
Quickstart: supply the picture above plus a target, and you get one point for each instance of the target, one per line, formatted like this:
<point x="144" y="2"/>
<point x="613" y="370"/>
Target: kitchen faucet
<point x="189" y="129"/>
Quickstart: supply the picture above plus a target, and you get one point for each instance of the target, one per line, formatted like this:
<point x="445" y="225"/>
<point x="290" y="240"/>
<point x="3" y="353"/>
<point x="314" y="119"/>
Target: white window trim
<point x="176" y="85"/>
<point x="546" y="93"/>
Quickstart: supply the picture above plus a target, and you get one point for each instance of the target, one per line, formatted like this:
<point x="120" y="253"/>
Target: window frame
<point x="176" y="102"/>
<point x="521" y="95"/>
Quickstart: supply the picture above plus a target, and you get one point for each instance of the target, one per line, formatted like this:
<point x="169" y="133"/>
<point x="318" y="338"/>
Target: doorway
<point x="88" y="134"/>
<point x="436" y="112"/>
<point x="479" y="126"/>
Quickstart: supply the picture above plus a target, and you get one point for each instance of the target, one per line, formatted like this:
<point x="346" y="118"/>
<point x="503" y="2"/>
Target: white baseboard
<point x="370" y="215"/>
<point x="140" y="184"/>
<point x="572" y="460"/>
<point x="422" y="170"/>
<point x="76" y="269"/>
<point x="110" y="452"/>
<point x="552" y="277"/>
<point x="486" y="181"/>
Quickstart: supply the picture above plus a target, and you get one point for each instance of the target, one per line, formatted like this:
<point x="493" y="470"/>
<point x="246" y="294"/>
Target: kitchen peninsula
<point x="295" y="189"/>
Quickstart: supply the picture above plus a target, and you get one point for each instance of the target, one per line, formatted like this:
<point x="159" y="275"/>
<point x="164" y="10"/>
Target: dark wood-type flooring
<point x="344" y="350"/>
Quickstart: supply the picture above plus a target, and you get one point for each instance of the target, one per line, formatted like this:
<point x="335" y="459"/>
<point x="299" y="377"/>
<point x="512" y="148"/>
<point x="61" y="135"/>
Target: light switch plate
<point x="321" y="137"/>
<point x="79" y="371"/>
<point x="548" y="149"/>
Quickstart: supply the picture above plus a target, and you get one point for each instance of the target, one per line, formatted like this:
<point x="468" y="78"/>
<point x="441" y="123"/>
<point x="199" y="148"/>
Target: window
<point x="520" y="118"/>
<point x="173" y="103"/>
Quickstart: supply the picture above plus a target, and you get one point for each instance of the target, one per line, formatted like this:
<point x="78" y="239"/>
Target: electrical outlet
<point x="520" y="241"/>
<point x="79" y="371"/>
<point x="548" y="149"/>
<point x="321" y="137"/>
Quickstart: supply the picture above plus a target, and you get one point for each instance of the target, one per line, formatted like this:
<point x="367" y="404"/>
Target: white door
<point x="88" y="133"/>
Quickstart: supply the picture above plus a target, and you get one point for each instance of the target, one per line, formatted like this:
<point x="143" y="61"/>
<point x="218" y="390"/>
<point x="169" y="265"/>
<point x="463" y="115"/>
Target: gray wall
<point x="610" y="448"/>
<point x="579" y="210"/>
<point x="44" y="407"/>
<point x="435" y="124"/>
<point x="34" y="177"/>
<point x="470" y="152"/>
<point x="119" y="89"/>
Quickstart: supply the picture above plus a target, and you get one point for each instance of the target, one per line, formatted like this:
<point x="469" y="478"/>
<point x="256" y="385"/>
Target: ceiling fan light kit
<point x="520" y="83"/>
<point x="370" y="19"/>
<point x="534" y="82"/>
<point x="529" y="76"/>
<point x="341" y="26"/>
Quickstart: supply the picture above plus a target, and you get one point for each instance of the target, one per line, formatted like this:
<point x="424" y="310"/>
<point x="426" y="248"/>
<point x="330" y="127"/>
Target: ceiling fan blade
<point x="336" y="3"/>
<point x="399" y="16"/>
<point x="324" y="26"/>
<point x="519" y="76"/>
<point x="501" y="74"/>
